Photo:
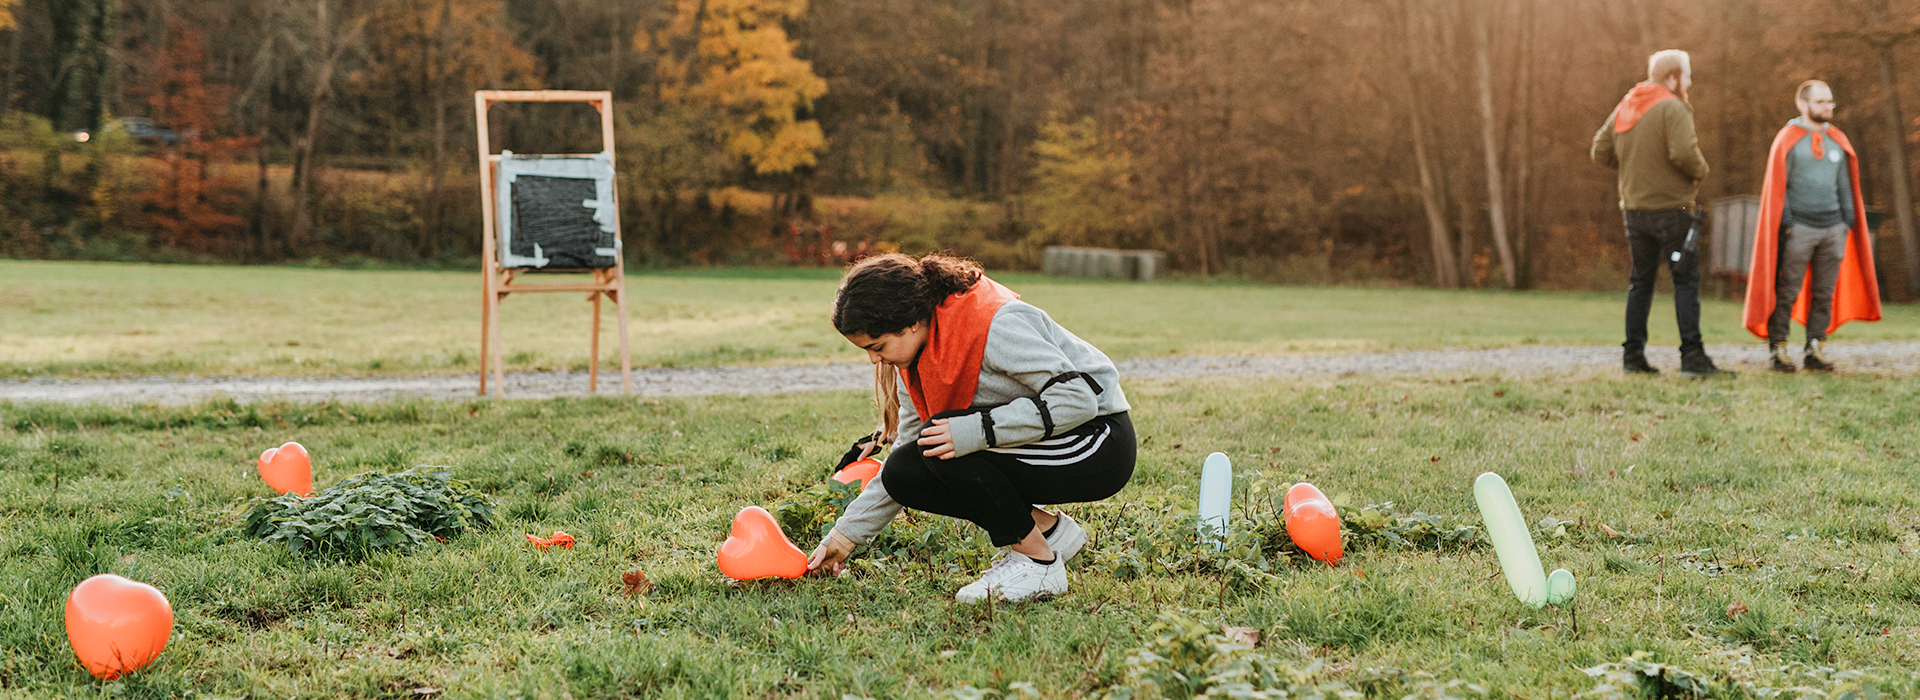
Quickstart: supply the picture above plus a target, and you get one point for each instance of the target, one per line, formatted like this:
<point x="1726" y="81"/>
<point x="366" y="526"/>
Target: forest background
<point x="1430" y="142"/>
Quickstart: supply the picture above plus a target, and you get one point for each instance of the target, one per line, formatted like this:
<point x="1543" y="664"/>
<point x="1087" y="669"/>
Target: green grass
<point x="102" y="319"/>
<point x="1795" y="496"/>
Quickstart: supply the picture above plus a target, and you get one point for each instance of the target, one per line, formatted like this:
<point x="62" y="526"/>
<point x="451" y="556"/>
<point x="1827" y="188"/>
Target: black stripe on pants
<point x="997" y="491"/>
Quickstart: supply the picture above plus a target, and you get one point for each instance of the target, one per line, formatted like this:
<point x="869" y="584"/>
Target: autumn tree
<point x="733" y="58"/>
<point x="1083" y="190"/>
<point x="190" y="206"/>
<point x="425" y="58"/>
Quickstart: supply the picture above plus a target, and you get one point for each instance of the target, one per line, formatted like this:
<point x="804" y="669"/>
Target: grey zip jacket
<point x="1037" y="380"/>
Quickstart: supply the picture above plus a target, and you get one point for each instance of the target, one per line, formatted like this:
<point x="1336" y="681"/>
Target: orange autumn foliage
<point x="189" y="206"/>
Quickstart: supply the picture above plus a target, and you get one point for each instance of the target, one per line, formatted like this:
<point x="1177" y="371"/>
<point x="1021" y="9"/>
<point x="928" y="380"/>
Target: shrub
<point x="373" y="512"/>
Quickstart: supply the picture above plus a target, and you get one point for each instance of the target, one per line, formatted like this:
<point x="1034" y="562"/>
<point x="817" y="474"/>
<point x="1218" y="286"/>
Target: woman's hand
<point x="936" y="440"/>
<point x="831" y="555"/>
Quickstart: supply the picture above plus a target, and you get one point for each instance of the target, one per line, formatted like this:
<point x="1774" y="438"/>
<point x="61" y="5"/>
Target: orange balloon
<point x="1313" y="524"/>
<point x="117" y="625"/>
<point x="862" y="471"/>
<point x="756" y="548"/>
<point x="287" y="469"/>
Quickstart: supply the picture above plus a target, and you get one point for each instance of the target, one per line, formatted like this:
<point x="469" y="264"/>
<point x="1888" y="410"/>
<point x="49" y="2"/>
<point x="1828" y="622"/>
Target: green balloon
<point x="1518" y="558"/>
<point x="1560" y="587"/>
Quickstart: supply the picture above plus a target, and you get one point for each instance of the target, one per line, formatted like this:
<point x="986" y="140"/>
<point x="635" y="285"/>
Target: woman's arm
<point x="868" y="514"/>
<point x="1063" y="398"/>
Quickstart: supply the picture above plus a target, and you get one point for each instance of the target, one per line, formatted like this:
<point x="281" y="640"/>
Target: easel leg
<point x="593" y="359"/>
<point x="487" y="301"/>
<point x="626" y="361"/>
<point x="499" y="361"/>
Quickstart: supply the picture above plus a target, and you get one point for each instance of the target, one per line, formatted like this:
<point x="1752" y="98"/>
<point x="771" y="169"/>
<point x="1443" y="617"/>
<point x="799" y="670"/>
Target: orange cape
<point x="1856" y="296"/>
<point x="948" y="371"/>
<point x="1635" y="105"/>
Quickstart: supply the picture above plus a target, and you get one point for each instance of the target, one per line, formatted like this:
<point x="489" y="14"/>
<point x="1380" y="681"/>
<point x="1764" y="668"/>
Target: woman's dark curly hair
<point x="886" y="293"/>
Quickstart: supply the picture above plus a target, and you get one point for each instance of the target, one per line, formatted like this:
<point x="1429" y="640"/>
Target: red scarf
<point x="1635" y="105"/>
<point x="948" y="371"/>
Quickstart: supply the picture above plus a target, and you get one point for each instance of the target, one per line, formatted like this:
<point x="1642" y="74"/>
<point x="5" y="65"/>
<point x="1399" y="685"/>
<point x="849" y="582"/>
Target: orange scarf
<point x="1635" y="105"/>
<point x="1856" y="295"/>
<point x="948" y="370"/>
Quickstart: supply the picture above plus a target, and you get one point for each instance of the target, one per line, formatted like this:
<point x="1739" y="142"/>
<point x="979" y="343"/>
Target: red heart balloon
<point x="756" y="548"/>
<point x="117" y="625"/>
<point x="1313" y="523"/>
<point x="287" y="469"/>
<point x="862" y="471"/>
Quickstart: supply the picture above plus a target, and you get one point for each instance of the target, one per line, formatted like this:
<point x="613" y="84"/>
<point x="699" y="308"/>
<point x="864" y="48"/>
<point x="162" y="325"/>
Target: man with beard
<point x="1649" y="138"/>
<point x="1810" y="220"/>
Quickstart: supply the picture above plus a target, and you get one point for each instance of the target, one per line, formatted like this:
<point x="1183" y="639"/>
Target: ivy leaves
<point x="373" y="512"/>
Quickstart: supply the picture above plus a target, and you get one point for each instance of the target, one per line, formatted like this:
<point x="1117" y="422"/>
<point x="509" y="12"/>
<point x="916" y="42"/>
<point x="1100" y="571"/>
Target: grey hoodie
<point x="1028" y="357"/>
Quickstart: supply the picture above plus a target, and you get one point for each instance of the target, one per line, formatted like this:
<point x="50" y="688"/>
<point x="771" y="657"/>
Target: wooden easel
<point x="611" y="282"/>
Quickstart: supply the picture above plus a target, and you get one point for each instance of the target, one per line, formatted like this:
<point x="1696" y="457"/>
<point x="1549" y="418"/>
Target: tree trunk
<point x="1897" y="150"/>
<point x="1446" y="269"/>
<point x="303" y="155"/>
<point x="1523" y="145"/>
<point x="262" y="248"/>
<point x="330" y="49"/>
<point x="429" y="244"/>
<point x="106" y="64"/>
<point x="1496" y="184"/>
<point x="7" y="81"/>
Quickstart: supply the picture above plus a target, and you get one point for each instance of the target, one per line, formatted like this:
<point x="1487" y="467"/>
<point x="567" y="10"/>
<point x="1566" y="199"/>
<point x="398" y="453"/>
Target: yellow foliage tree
<point x="6" y="15"/>
<point x="741" y="65"/>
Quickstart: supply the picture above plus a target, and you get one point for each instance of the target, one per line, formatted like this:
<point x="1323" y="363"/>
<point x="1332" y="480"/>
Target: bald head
<point x="1815" y="101"/>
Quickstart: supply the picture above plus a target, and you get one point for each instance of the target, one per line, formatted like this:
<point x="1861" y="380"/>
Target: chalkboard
<point x="557" y="212"/>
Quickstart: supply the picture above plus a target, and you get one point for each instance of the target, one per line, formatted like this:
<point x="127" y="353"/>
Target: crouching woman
<point x="995" y="408"/>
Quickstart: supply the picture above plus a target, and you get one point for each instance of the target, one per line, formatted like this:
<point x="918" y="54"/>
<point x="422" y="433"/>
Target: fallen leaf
<point x="1435" y="459"/>
<point x="636" y="583"/>
<point x="1736" y="609"/>
<point x="1610" y="531"/>
<point x="1249" y="636"/>
<point x="948" y="654"/>
<point x="424" y="691"/>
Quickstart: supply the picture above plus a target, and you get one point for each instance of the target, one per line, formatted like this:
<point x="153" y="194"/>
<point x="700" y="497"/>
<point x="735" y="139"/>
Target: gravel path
<point x="1895" y="358"/>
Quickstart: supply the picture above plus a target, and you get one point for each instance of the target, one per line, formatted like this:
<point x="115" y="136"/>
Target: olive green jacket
<point x="1659" y="158"/>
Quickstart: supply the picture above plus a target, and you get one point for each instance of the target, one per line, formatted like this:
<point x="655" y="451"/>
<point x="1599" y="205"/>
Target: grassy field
<point x="99" y="319"/>
<point x="1794" y="497"/>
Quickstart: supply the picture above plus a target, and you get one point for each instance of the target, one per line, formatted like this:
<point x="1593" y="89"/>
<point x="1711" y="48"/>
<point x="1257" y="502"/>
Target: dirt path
<point x="1888" y="358"/>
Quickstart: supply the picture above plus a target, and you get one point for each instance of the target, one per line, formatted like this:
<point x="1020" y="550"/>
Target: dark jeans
<point x="997" y="491"/>
<point x="1652" y="238"/>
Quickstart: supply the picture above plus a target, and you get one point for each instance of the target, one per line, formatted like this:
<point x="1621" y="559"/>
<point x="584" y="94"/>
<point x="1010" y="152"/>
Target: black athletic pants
<point x="1652" y="238"/>
<point x="996" y="488"/>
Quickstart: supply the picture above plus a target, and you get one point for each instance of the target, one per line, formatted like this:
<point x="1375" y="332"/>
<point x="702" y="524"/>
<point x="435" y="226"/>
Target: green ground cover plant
<point x="373" y="512"/>
<point x="108" y="319"/>
<point x="1741" y="539"/>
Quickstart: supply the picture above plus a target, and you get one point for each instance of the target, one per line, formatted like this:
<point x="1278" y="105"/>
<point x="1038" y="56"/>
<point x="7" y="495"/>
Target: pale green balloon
<point x="1518" y="558"/>
<point x="1560" y="587"/>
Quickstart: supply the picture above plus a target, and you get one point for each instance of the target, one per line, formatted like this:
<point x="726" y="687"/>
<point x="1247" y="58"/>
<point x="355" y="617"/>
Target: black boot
<point x="1782" y="362"/>
<point x="1816" y="360"/>
<point x="1635" y="362"/>
<point x="1694" y="364"/>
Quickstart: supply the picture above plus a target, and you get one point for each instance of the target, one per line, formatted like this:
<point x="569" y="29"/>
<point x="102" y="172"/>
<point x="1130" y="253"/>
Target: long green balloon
<point x="1518" y="558"/>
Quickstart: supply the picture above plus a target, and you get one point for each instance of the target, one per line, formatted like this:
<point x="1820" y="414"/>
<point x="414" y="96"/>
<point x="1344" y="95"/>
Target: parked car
<point x="140" y="128"/>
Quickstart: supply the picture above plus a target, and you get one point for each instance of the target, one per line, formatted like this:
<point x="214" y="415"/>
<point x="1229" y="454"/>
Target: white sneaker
<point x="1068" y="537"/>
<point x="1017" y="577"/>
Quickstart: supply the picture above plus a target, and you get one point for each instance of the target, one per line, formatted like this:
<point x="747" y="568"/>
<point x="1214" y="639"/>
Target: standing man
<point x="1810" y="220"/>
<point x="1650" y="140"/>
